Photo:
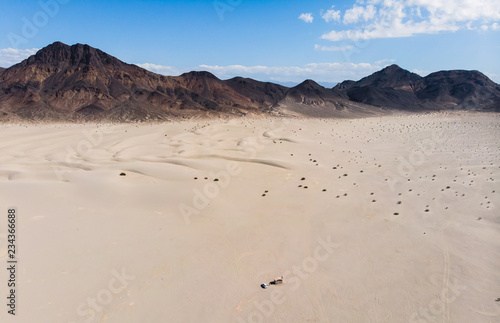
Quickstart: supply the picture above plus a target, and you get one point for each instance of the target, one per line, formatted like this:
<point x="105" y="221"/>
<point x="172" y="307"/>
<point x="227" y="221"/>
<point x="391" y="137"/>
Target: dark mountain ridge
<point x="394" y="87"/>
<point x="79" y="82"/>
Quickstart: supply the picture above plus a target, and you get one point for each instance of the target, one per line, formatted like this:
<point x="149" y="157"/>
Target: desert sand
<point x="382" y="219"/>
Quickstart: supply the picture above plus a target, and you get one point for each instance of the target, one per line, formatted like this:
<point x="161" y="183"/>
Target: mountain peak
<point x="395" y="70"/>
<point x="59" y="54"/>
<point x="393" y="67"/>
<point x="391" y="76"/>
<point x="309" y="84"/>
<point x="55" y="45"/>
<point x="201" y="74"/>
<point x="473" y="75"/>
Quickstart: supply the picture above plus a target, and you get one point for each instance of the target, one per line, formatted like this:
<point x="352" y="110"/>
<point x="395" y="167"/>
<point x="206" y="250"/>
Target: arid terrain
<point x="379" y="219"/>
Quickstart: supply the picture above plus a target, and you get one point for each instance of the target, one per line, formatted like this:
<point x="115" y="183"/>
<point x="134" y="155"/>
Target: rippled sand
<point x="390" y="219"/>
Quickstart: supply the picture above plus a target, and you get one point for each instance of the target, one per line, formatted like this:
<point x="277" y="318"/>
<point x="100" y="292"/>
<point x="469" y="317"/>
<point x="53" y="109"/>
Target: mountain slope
<point x="313" y="100"/>
<point x="460" y="89"/>
<point x="72" y="82"/>
<point x="212" y="88"/>
<point x="396" y="88"/>
<point x="264" y="94"/>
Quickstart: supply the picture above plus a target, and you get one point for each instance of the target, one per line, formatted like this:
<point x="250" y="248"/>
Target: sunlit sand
<point x="383" y="219"/>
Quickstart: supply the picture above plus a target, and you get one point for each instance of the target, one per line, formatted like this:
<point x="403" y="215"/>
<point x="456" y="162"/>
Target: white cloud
<point x="358" y="13"/>
<point x="405" y="18"/>
<point x="160" y="69"/>
<point x="385" y="61"/>
<point x="333" y="48"/>
<point x="307" y="17"/>
<point x="331" y="15"/>
<point x="320" y="72"/>
<point x="11" y="56"/>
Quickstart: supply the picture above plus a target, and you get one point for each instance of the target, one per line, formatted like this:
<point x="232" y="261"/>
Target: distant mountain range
<point x="82" y="83"/>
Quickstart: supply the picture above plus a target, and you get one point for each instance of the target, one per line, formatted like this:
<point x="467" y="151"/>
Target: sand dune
<point x="381" y="219"/>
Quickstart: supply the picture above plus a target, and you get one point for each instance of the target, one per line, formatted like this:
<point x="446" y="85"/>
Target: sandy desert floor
<point x="387" y="219"/>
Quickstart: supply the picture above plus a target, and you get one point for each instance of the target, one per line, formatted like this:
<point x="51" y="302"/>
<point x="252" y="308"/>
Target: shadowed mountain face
<point x="313" y="100"/>
<point x="460" y="89"/>
<point x="310" y="93"/>
<point x="262" y="93"/>
<point x="397" y="88"/>
<point x="62" y="81"/>
<point x="210" y="87"/>
<point x="72" y="83"/>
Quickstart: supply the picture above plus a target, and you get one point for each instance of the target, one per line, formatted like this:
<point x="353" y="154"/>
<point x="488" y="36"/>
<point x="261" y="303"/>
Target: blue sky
<point x="286" y="41"/>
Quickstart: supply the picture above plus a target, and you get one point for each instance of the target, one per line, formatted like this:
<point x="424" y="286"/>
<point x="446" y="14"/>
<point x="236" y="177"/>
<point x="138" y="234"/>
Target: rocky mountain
<point x="396" y="88"/>
<point x="217" y="91"/>
<point x="313" y="100"/>
<point x="62" y="82"/>
<point x="79" y="82"/>
<point x="263" y="93"/>
<point x="311" y="93"/>
<point x="459" y="89"/>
